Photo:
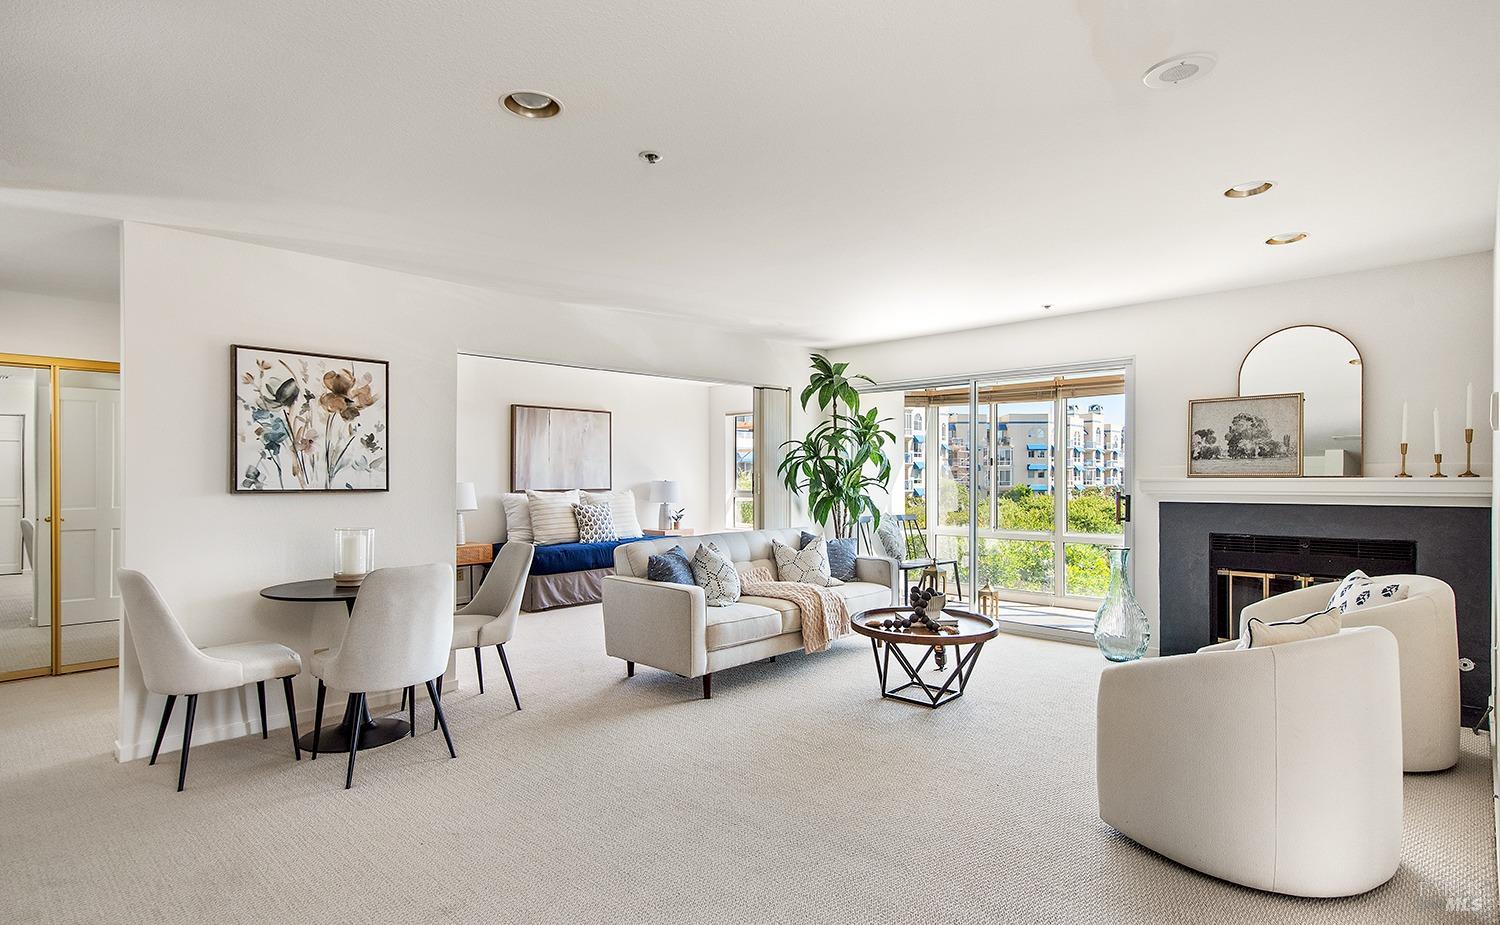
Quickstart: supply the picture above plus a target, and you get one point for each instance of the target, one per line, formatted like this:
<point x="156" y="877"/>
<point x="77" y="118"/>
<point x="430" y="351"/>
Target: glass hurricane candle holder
<point x="353" y="555"/>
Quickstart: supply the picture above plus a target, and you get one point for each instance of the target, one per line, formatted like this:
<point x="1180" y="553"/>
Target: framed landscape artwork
<point x="555" y="449"/>
<point x="307" y="422"/>
<point x="1248" y="436"/>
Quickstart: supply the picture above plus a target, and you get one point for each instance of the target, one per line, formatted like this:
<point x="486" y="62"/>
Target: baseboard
<point x="1045" y="632"/>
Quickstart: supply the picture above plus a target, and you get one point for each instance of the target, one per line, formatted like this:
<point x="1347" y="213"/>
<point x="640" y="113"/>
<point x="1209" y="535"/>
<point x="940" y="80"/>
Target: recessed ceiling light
<point x="1047" y="307"/>
<point x="1291" y="237"/>
<point x="1246" y="190"/>
<point x="1174" y="72"/>
<point x="529" y="104"/>
<point x="650" y="157"/>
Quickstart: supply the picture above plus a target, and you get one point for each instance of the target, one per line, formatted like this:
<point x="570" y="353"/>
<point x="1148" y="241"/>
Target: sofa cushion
<point x="739" y="623"/>
<point x="791" y="614"/>
<point x="863" y="595"/>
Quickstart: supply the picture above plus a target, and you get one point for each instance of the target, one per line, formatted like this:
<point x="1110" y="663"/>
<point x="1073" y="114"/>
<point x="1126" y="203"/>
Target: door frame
<point x="55" y="366"/>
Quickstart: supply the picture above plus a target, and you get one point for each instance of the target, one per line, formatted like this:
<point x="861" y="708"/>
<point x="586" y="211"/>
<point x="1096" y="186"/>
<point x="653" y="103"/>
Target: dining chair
<point x="398" y="636"/>
<point x="490" y="618"/>
<point x="172" y="665"/>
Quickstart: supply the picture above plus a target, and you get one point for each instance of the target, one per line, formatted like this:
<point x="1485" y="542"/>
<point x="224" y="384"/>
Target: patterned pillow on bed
<point x="595" y="523"/>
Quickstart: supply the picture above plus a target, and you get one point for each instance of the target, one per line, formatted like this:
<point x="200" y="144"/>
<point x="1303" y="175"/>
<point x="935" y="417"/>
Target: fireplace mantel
<point x="1418" y="491"/>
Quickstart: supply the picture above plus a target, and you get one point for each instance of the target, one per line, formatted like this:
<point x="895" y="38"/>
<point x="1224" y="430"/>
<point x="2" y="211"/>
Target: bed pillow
<point x="715" y="573"/>
<point x="1358" y="591"/>
<point x="1259" y="633"/>
<point x="517" y="517"/>
<point x="672" y="565"/>
<point x="841" y="555"/>
<point x="808" y="565"/>
<point x="621" y="508"/>
<point x="552" y="519"/>
<point x="595" y="525"/>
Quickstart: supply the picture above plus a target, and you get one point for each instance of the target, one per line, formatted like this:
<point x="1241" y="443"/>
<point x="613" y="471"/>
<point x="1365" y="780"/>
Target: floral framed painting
<point x="307" y="422"/>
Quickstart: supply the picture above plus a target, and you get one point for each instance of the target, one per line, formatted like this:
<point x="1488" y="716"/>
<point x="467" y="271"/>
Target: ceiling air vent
<point x="1183" y="69"/>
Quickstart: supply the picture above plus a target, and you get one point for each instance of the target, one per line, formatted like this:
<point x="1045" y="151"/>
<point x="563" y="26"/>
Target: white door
<point x="12" y="491"/>
<point x="90" y="501"/>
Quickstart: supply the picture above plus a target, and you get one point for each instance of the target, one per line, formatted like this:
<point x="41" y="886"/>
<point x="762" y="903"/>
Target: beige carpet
<point x="23" y="645"/>
<point x="795" y="795"/>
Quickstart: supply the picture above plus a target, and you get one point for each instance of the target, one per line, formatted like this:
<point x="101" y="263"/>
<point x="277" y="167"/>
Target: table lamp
<point x="666" y="493"/>
<point x="467" y="501"/>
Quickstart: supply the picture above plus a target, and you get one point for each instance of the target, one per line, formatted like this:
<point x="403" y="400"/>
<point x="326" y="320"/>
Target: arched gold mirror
<point x="1328" y="370"/>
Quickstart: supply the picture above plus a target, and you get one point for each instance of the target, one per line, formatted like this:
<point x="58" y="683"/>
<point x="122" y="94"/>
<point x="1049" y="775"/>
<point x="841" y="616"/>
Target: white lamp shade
<point x="665" y="491"/>
<point x="467" y="500"/>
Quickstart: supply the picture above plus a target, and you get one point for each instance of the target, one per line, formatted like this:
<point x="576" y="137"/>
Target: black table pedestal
<point x="373" y="732"/>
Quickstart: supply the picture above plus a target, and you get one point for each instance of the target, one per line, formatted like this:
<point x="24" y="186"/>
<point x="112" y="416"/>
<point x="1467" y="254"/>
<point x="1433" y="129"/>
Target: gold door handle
<point x="48" y="519"/>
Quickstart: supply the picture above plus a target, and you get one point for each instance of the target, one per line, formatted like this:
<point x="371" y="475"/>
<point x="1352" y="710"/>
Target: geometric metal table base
<point x="932" y="695"/>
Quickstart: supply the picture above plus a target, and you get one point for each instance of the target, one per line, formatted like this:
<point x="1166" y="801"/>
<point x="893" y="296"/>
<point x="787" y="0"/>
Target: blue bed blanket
<point x="575" y="557"/>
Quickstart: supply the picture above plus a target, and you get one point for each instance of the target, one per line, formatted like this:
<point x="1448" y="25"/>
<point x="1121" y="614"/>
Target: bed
<point x="569" y="574"/>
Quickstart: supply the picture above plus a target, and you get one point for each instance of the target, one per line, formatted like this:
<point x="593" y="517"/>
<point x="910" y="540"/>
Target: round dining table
<point x="373" y="732"/>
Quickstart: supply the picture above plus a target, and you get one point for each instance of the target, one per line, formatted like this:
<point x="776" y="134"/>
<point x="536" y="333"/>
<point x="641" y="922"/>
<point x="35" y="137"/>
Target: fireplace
<point x="1251" y="567"/>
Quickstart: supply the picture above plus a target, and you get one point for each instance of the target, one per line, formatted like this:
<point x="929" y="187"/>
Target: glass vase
<point x="1120" y="626"/>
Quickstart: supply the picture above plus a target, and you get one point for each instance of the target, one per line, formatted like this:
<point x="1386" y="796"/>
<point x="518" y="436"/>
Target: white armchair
<point x="1425" y="625"/>
<point x="1276" y="768"/>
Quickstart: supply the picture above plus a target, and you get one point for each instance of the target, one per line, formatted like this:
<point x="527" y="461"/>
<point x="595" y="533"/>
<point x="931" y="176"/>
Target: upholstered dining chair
<point x="490" y="618"/>
<point x="398" y="636"/>
<point x="173" y="666"/>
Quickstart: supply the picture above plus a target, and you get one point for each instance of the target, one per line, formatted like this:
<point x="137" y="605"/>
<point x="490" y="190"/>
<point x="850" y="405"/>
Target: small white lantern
<point x="353" y="555"/>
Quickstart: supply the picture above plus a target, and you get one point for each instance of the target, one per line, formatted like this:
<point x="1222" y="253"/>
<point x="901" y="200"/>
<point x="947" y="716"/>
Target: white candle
<point x="1403" y="423"/>
<point x="1437" y="433"/>
<point x="1469" y="407"/>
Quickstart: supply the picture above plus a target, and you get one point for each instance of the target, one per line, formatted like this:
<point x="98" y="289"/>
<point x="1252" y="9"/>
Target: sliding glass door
<point x="1023" y="481"/>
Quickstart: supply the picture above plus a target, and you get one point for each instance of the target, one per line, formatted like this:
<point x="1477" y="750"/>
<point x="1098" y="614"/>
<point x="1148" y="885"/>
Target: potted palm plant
<point x="843" y="456"/>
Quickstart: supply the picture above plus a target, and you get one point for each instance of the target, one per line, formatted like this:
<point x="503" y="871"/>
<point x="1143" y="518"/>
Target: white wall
<point x="723" y="401"/>
<point x="660" y="430"/>
<point x="187" y="297"/>
<point x="1423" y="330"/>
<point x="45" y="325"/>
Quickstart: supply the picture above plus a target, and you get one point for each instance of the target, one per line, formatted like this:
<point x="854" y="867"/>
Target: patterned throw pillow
<point x="716" y="575"/>
<point x="672" y="565"/>
<point x="891" y="540"/>
<point x="595" y="522"/>
<point x="841" y="555"/>
<point x="1358" y="591"/>
<point x="622" y="509"/>
<point x="552" y="519"/>
<point x="808" y="565"/>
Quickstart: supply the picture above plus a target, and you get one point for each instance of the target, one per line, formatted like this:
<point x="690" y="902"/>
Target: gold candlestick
<point x="1468" y="472"/>
<point x="1403" y="474"/>
<point x="1437" y="459"/>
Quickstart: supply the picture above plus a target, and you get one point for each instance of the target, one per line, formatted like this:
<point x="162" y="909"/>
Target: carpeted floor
<point x="24" y="645"/>
<point x="795" y="795"/>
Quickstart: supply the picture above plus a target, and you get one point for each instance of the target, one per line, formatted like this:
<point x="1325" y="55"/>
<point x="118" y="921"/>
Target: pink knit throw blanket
<point x="825" y="616"/>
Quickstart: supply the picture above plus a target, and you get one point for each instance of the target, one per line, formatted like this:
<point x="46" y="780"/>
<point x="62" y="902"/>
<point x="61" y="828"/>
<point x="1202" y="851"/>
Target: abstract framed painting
<point x="1250" y="436"/>
<point x="307" y="422"/>
<point x="556" y="449"/>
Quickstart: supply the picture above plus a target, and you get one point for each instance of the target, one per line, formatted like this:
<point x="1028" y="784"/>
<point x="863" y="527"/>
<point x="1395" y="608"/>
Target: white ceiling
<point x="836" y="171"/>
<point x="59" y="254"/>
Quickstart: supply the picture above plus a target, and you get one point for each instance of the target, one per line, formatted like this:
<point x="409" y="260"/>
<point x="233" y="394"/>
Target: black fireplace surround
<point x="1452" y="543"/>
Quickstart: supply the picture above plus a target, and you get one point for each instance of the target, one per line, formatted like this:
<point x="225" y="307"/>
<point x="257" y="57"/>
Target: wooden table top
<point x="315" y="590"/>
<point x="972" y="627"/>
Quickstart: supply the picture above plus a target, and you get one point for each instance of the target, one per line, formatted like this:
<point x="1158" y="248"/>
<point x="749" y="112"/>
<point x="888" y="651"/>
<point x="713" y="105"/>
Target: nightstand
<point x="467" y="557"/>
<point x="681" y="531"/>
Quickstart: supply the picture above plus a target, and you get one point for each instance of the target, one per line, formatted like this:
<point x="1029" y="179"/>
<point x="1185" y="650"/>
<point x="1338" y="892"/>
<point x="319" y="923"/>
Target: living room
<point x="1121" y="376"/>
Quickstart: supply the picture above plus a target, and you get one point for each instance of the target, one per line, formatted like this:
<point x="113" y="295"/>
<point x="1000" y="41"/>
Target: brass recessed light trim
<point x="1246" y="190"/>
<point x="529" y="104"/>
<point x="1289" y="238"/>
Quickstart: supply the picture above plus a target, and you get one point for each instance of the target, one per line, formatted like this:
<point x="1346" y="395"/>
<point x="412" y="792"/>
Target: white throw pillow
<point x="552" y="519"/>
<point x="1358" y="591"/>
<point x="1259" y="633"/>
<point x="594" y="522"/>
<point x="517" y="517"/>
<point x="716" y="575"/>
<point x="621" y="509"/>
<point x="808" y="565"/>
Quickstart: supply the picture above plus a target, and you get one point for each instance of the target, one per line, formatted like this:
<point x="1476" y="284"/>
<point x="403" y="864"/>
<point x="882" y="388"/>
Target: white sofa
<point x="668" y="626"/>
<point x="1425" y="625"/>
<point x="1277" y="768"/>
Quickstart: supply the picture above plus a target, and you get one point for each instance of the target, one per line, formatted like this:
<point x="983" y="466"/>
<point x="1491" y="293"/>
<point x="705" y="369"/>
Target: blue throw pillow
<point x="841" y="555"/>
<point x="672" y="565"/>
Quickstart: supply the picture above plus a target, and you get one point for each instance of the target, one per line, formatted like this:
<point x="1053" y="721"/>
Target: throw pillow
<point x="517" y="516"/>
<point x="621" y="509"/>
<point x="595" y="524"/>
<point x="808" y="565"/>
<point x="891" y="540"/>
<point x="672" y="565"/>
<point x="715" y="573"/>
<point x="841" y="555"/>
<point x="1358" y="591"/>
<point x="1259" y="633"/>
<point x="552" y="519"/>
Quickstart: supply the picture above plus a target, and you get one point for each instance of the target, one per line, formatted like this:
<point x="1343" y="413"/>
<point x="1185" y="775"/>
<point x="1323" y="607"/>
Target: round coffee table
<point x="974" y="630"/>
